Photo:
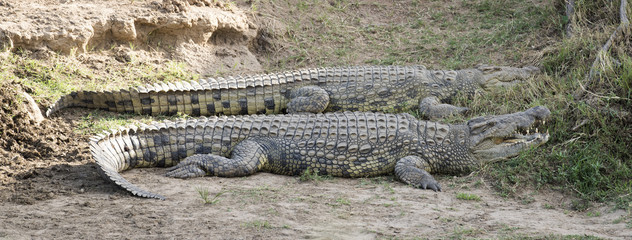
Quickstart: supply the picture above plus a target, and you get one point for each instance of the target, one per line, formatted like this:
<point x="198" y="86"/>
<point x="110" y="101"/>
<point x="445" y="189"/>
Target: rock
<point x="124" y="29"/>
<point x="5" y="41"/>
<point x="33" y="111"/>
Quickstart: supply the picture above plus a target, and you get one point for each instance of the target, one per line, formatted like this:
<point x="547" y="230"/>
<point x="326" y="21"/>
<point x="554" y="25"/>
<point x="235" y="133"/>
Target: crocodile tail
<point x="116" y="101"/>
<point x="194" y="98"/>
<point x="160" y="144"/>
<point x="117" y="151"/>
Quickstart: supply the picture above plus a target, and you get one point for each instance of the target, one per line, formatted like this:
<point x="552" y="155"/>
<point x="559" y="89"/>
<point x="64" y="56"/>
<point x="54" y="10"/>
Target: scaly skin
<point x="349" y="144"/>
<point x="370" y="88"/>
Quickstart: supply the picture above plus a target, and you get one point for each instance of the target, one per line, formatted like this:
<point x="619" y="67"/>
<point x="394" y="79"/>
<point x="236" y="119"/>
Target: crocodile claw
<point x="186" y="169"/>
<point x="430" y="184"/>
<point x="188" y="172"/>
<point x="464" y="110"/>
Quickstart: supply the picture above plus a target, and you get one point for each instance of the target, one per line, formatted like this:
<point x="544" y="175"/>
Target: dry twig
<point x="604" y="49"/>
<point x="570" y="14"/>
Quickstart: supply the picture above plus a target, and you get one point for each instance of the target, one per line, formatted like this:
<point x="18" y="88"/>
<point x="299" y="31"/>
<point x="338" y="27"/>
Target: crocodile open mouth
<point x="509" y="146"/>
<point x="522" y="139"/>
<point x="500" y="137"/>
<point x="526" y="135"/>
<point x="534" y="128"/>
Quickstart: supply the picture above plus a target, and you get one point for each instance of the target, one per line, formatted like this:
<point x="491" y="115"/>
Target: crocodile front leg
<point x="411" y="170"/>
<point x="311" y="99"/>
<point x="247" y="157"/>
<point x="432" y="109"/>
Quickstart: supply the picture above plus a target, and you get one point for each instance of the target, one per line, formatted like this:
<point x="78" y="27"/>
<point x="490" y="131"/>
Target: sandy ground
<point x="51" y="190"/>
<point x="281" y="207"/>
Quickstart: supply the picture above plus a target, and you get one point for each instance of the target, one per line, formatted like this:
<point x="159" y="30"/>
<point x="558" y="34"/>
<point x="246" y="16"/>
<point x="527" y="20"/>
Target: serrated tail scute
<point x="107" y="153"/>
<point x="86" y="99"/>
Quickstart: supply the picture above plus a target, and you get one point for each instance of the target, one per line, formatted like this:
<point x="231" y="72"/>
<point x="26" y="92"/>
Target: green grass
<point x="258" y="225"/>
<point x="205" y="195"/>
<point x="624" y="78"/>
<point x="59" y="75"/>
<point x="342" y="201"/>
<point x="465" y="232"/>
<point x="312" y="175"/>
<point x="468" y="197"/>
<point x="466" y="38"/>
<point x="263" y="193"/>
<point x="98" y="121"/>
<point x="47" y="80"/>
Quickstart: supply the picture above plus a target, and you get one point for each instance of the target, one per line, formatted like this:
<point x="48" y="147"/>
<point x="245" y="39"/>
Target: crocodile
<point x="340" y="144"/>
<point x="358" y="88"/>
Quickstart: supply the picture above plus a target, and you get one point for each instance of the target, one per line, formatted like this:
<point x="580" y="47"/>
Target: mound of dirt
<point x="203" y="34"/>
<point x="31" y="148"/>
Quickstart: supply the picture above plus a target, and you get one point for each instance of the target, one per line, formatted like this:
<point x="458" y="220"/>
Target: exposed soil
<point x="33" y="152"/>
<point x="51" y="189"/>
<point x="205" y="36"/>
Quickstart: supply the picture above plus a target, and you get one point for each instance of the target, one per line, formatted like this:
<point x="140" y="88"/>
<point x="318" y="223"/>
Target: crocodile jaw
<point x="501" y="149"/>
<point x="500" y="137"/>
<point x="494" y="76"/>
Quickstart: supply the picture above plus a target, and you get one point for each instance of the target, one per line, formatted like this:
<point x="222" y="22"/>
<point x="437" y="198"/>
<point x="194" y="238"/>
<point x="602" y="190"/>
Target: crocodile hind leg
<point x="411" y="170"/>
<point x="247" y="157"/>
<point x="311" y="99"/>
<point x="432" y="109"/>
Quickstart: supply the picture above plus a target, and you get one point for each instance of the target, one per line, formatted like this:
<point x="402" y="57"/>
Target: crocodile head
<point x="494" y="76"/>
<point x="494" y="138"/>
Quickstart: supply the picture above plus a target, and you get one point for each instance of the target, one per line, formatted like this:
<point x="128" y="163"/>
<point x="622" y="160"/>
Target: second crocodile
<point x="371" y="88"/>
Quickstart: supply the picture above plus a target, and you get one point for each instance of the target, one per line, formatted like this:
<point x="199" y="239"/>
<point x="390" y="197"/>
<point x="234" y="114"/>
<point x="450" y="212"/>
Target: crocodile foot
<point x="432" y="109"/>
<point x="410" y="170"/>
<point x="189" y="168"/>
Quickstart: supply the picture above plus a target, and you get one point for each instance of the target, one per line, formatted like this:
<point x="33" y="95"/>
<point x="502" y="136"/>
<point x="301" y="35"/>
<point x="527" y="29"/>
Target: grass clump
<point x="258" y="224"/>
<point x="99" y="121"/>
<point x="468" y="197"/>
<point x="313" y="175"/>
<point x="205" y="195"/>
<point x="343" y="201"/>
